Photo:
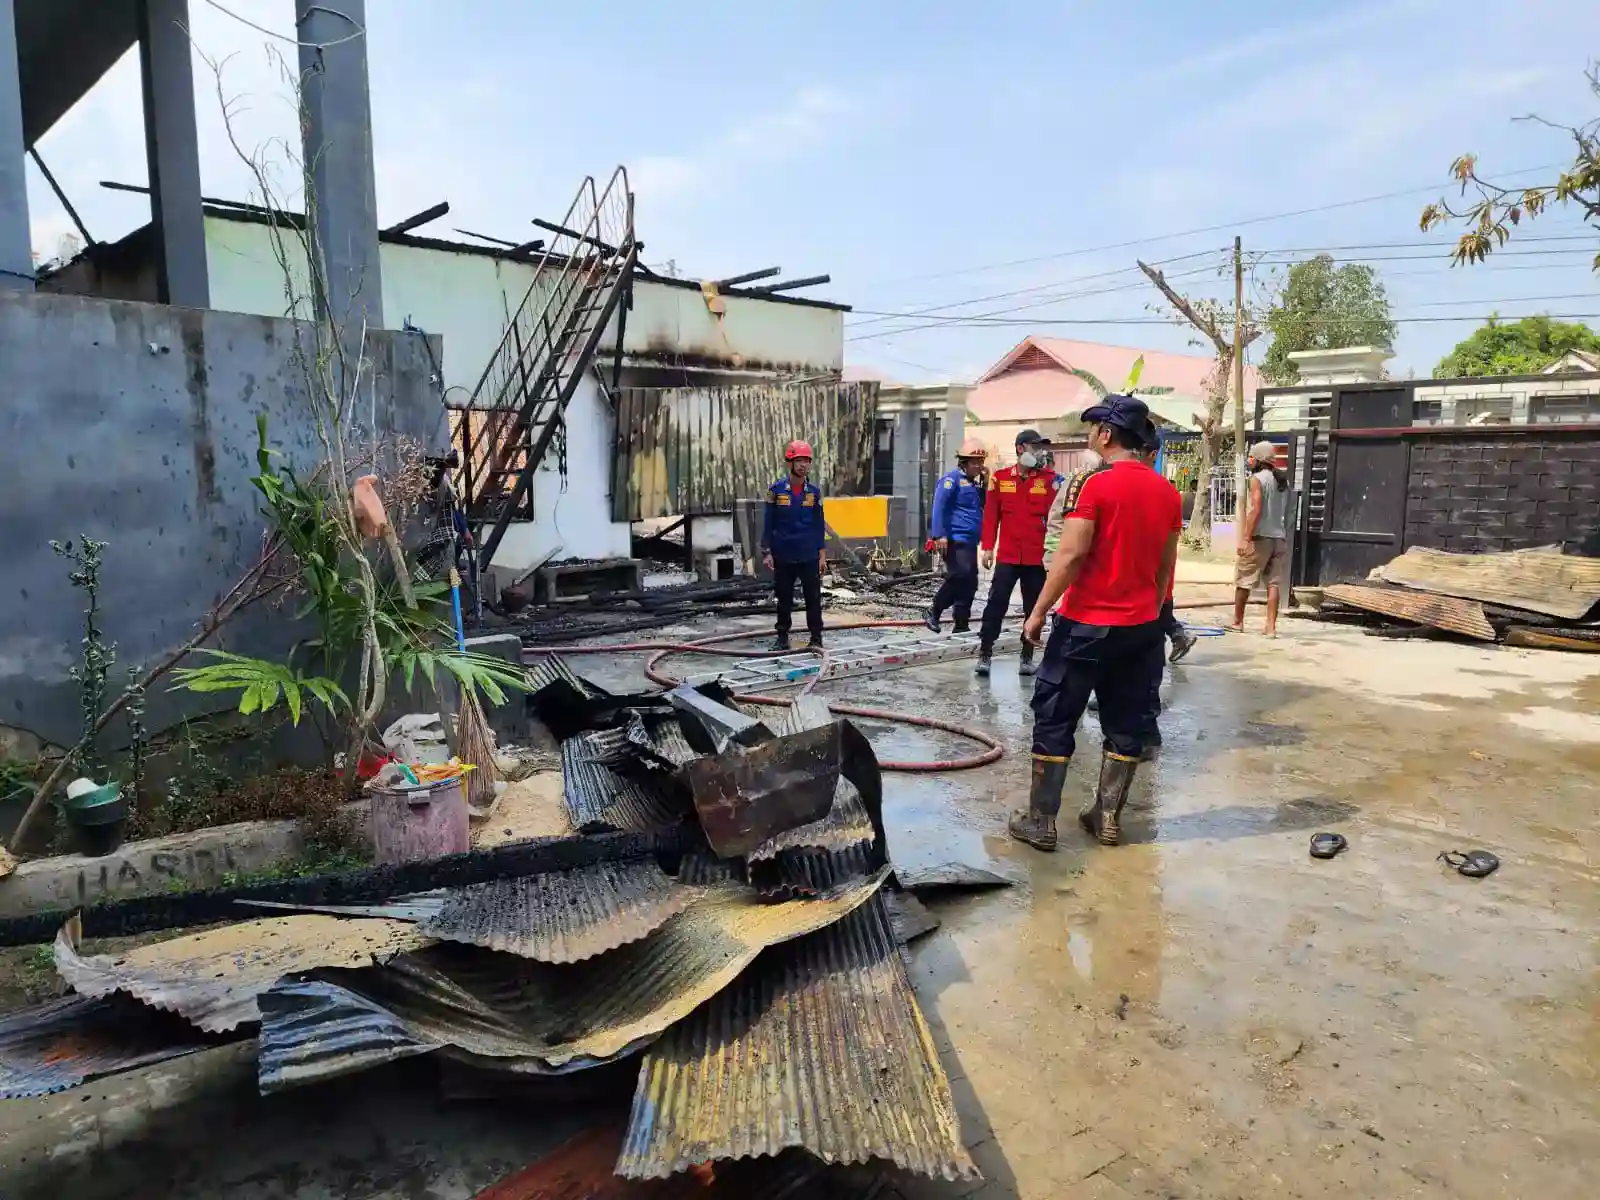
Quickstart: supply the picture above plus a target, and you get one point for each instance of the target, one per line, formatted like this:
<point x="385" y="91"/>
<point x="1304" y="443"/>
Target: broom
<point x="474" y="738"/>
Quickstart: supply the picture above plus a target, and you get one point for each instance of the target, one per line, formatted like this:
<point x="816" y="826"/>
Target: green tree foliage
<point x="1523" y="347"/>
<point x="1323" y="307"/>
<point x="1490" y="211"/>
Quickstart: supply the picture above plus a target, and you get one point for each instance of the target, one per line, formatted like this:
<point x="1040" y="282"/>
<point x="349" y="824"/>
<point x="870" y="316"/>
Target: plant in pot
<point x="96" y="814"/>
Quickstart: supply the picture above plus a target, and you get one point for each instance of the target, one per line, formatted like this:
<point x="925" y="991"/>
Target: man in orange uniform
<point x="1013" y="520"/>
<point x="1119" y="546"/>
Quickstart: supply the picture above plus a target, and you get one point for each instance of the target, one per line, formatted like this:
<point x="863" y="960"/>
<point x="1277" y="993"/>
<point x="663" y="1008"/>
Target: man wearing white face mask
<point x="1013" y="531"/>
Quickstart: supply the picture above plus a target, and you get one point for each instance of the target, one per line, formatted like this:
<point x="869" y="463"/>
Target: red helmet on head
<point x="797" y="450"/>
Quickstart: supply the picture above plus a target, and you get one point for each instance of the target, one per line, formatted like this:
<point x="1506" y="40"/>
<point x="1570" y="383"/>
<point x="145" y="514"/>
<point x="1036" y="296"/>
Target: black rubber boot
<point x="1182" y="642"/>
<point x="781" y="642"/>
<point x="930" y="619"/>
<point x="1037" y="826"/>
<point x="1116" y="777"/>
<point x="814" y="642"/>
<point x="984" y="657"/>
<point x="1026" y="667"/>
<point x="961" y="626"/>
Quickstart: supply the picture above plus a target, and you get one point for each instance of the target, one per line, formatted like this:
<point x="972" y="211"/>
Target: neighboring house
<point x="1033" y="386"/>
<point x="1572" y="362"/>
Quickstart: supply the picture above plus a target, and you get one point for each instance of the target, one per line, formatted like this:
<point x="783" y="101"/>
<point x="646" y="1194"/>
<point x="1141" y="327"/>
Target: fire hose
<point x="713" y="645"/>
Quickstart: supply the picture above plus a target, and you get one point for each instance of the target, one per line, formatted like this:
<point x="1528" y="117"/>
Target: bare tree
<point x="1214" y="322"/>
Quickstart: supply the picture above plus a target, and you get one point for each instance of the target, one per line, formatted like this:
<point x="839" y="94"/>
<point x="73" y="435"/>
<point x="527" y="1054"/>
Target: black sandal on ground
<point x="1474" y="864"/>
<point x="1326" y="845"/>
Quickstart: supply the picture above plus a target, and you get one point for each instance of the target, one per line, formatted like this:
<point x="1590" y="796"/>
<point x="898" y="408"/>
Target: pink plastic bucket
<point x="424" y="822"/>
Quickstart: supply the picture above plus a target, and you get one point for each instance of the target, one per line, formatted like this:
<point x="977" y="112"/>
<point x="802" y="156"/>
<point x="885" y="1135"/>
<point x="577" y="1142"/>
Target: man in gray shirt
<point x="1263" y="537"/>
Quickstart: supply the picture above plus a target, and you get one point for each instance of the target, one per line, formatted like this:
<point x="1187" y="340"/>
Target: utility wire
<point x="1000" y="323"/>
<point x="1037" y="287"/>
<point x="1220" y="228"/>
<point x="283" y="37"/>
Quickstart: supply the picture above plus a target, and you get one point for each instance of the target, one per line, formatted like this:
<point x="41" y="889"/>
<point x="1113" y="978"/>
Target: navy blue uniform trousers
<point x="1120" y="665"/>
<point x="960" y="582"/>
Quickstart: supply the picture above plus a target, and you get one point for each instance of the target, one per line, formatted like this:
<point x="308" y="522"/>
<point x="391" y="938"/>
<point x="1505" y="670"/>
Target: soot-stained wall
<point x="135" y="424"/>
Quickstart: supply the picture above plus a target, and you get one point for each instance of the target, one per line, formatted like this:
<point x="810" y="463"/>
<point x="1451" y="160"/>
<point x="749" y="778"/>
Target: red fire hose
<point x="712" y="645"/>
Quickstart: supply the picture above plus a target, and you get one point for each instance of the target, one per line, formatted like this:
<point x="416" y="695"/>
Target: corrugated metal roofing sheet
<point x="562" y="916"/>
<point x="500" y="1010"/>
<point x="69" y="1042"/>
<point x="556" y="917"/>
<point x="213" y="978"/>
<point x="1465" y="617"/>
<point x="599" y="796"/>
<point x="553" y="667"/>
<point x="846" y="825"/>
<point x="1542" y="581"/>
<point x="808" y="872"/>
<point x="697" y="450"/>
<point x="822" y="1047"/>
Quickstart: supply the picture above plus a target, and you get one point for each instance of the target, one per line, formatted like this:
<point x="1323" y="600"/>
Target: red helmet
<point x="797" y="450"/>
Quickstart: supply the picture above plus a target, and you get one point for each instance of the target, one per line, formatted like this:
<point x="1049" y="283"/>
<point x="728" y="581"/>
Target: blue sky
<point x="908" y="149"/>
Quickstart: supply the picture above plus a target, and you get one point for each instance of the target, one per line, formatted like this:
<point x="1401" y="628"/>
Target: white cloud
<point x="802" y="124"/>
<point x="1252" y="47"/>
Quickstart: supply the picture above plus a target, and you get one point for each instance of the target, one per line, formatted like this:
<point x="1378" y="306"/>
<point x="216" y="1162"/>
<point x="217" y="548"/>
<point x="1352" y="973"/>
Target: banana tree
<point x="1129" y="386"/>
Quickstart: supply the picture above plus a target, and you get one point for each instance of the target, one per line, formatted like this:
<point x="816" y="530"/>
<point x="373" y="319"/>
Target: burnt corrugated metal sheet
<point x="697" y="450"/>
<point x="563" y="916"/>
<point x="1541" y="581"/>
<point x="69" y="1042"/>
<point x="553" y="667"/>
<point x="556" y="917"/>
<point x="313" y="1029"/>
<point x="499" y="1010"/>
<point x="701" y="870"/>
<point x="1465" y="617"/>
<point x="213" y="978"/>
<point x="821" y="1047"/>
<point x="847" y="824"/>
<point x="808" y="872"/>
<point x="599" y="796"/>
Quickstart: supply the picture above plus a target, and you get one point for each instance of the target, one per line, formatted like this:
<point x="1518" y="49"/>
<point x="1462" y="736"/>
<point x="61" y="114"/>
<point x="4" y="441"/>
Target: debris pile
<point x="723" y="911"/>
<point x="1540" y="598"/>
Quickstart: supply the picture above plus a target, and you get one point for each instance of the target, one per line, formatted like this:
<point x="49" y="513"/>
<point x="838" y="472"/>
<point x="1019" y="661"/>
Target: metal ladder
<point x="883" y="650"/>
<point x="521" y="398"/>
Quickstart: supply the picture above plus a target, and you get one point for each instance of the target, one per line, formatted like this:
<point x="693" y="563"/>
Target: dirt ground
<point x="1203" y="1012"/>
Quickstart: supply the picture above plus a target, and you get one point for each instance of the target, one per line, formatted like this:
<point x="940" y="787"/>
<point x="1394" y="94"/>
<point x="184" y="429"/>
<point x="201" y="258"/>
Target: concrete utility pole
<point x="338" y="157"/>
<point x="1238" y="385"/>
<point x="172" y="149"/>
<point x="16" y="240"/>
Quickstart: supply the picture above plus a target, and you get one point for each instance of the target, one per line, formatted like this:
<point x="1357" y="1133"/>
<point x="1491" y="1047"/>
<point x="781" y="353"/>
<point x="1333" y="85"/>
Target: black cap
<point x="1152" y="437"/>
<point x="1029" y="436"/>
<point x="1122" y="411"/>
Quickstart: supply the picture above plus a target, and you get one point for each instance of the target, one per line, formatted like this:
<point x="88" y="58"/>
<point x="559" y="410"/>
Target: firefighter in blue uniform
<point x="792" y="544"/>
<point x="956" y="528"/>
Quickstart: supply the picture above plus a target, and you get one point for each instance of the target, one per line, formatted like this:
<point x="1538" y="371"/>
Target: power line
<point x="1035" y="288"/>
<point x="1219" y="228"/>
<point x="1000" y="323"/>
<point x="1562" y="237"/>
<point x="958" y="318"/>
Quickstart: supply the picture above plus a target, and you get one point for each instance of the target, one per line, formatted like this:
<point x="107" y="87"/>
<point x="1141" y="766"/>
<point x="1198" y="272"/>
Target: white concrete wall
<point x="465" y="298"/>
<point x="754" y="334"/>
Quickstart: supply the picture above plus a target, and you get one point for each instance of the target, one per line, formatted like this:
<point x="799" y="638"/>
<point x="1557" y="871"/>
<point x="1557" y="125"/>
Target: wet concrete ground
<point x="1204" y="1012"/>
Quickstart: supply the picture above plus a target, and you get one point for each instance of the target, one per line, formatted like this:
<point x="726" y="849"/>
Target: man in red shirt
<point x="1013" y="517"/>
<point x="1119" y="545"/>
